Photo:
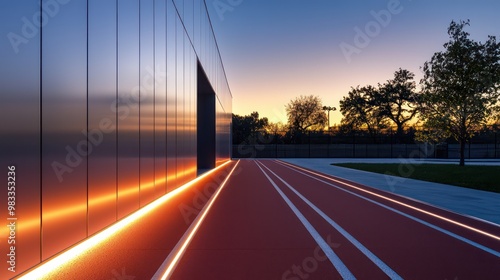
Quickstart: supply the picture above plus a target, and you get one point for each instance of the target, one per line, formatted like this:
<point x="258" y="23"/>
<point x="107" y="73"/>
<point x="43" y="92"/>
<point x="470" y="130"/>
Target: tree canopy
<point x="374" y="108"/>
<point x="461" y="85"/>
<point x="397" y="99"/>
<point x="360" y="110"/>
<point x="244" y="127"/>
<point x="306" y="113"/>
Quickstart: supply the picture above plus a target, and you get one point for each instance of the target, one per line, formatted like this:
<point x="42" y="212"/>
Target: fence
<point x="333" y="145"/>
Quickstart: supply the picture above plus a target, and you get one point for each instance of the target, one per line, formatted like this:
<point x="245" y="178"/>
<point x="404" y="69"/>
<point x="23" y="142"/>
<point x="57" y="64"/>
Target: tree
<point x="361" y="111"/>
<point x="276" y="128"/>
<point x="461" y="85"/>
<point x="496" y="114"/>
<point x="397" y="99"/>
<point x="245" y="127"/>
<point x="306" y="113"/>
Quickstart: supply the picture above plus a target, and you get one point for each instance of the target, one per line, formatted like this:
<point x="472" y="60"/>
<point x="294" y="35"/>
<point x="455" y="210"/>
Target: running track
<point x="273" y="220"/>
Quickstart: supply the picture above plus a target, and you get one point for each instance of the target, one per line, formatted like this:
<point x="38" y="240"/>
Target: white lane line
<point x="378" y="262"/>
<point x="449" y="233"/>
<point x="168" y="266"/>
<point x="334" y="259"/>
<point x="401" y="203"/>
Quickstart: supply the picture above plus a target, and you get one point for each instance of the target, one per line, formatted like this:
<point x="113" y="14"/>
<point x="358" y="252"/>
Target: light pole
<point x="329" y="108"/>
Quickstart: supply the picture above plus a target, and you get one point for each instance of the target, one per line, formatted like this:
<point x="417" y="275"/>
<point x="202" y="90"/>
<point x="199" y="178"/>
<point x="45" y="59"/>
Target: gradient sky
<point x="276" y="50"/>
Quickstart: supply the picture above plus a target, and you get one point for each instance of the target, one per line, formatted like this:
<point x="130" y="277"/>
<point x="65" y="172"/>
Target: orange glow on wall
<point x="67" y="211"/>
<point x="68" y="256"/>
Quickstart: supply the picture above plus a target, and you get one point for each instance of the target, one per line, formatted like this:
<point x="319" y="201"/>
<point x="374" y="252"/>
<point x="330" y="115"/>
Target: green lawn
<point x="485" y="178"/>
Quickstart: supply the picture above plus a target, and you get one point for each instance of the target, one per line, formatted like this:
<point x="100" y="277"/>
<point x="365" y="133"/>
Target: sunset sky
<point x="276" y="50"/>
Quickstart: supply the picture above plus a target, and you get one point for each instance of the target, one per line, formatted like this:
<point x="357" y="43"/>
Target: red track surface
<point x="250" y="232"/>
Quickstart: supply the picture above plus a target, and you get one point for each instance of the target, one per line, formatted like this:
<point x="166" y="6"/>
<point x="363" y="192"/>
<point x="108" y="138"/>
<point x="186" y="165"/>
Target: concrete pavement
<point x="475" y="203"/>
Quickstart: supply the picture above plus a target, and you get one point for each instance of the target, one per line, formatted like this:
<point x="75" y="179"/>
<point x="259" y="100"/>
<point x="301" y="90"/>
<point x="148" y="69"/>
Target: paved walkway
<point x="480" y="204"/>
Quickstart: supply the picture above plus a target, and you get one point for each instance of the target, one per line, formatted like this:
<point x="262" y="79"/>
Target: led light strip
<point x="392" y="200"/>
<point x="64" y="212"/>
<point x="168" y="266"/>
<point x="48" y="267"/>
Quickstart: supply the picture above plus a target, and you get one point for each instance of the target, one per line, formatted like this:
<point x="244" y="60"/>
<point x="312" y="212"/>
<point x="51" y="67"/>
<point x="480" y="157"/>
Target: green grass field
<point x="485" y="178"/>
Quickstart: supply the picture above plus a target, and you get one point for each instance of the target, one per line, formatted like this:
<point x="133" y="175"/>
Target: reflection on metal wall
<point x="99" y="113"/>
<point x="102" y="89"/>
<point x="20" y="134"/>
<point x="63" y="118"/>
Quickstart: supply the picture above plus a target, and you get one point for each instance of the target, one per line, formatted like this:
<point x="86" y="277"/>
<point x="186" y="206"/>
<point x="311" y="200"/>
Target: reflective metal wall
<point x="102" y="118"/>
<point x="63" y="119"/>
<point x="20" y="137"/>
<point x="128" y="107"/>
<point x="99" y="102"/>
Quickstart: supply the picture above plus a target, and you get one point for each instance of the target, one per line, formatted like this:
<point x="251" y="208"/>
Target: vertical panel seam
<point x="88" y="154"/>
<point x="154" y="98"/>
<point x="41" y="133"/>
<point x="140" y="95"/>
<point x="166" y="96"/>
<point x="116" y="113"/>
